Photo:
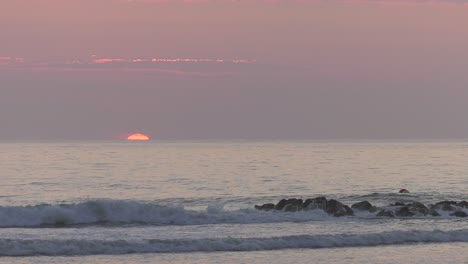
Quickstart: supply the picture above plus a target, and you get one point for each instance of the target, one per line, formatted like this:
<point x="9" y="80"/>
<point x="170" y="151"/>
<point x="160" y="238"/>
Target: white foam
<point x="123" y="212"/>
<point x="117" y="212"/>
<point x="94" y="247"/>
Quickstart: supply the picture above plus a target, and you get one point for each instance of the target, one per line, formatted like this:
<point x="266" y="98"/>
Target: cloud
<point x="165" y="60"/>
<point x="7" y="60"/>
<point x="158" y="66"/>
<point x="172" y="68"/>
<point x="105" y="60"/>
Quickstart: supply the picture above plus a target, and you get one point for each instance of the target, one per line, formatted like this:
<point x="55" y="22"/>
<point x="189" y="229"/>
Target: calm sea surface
<point x="193" y="202"/>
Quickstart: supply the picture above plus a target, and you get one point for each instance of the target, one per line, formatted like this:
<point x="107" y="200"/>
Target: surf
<point x="58" y="247"/>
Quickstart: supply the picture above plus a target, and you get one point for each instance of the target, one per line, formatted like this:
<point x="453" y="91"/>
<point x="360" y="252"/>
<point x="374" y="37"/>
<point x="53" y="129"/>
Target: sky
<point x="233" y="69"/>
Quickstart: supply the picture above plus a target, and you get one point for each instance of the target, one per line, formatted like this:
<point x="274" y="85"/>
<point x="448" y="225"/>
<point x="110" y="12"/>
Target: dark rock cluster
<point x="336" y="208"/>
<point x="364" y="206"/>
<point x="332" y="207"/>
<point x="413" y="208"/>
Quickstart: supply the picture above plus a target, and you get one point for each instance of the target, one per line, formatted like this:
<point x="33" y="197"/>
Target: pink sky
<point x="233" y="69"/>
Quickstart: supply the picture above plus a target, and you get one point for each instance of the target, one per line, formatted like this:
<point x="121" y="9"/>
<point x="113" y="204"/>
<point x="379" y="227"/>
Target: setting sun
<point x="138" y="137"/>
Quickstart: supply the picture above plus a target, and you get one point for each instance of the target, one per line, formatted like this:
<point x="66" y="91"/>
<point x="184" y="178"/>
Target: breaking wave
<point x="128" y="212"/>
<point x="10" y="247"/>
<point x="120" y="212"/>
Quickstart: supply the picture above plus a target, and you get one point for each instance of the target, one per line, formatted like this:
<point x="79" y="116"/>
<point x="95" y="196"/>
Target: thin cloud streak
<point x="135" y="61"/>
<point x="159" y="66"/>
<point x="10" y="60"/>
<point x="170" y="60"/>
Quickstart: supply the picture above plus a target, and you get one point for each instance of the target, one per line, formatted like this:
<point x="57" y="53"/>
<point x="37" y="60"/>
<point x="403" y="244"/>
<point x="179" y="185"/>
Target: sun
<point x="140" y="137"/>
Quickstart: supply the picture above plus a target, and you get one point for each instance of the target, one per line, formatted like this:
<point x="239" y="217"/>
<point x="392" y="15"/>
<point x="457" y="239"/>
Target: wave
<point x="9" y="247"/>
<point x="121" y="212"/>
<point x="128" y="212"/>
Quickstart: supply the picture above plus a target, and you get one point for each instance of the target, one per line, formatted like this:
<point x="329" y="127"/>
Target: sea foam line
<point x="9" y="247"/>
<point x="122" y="212"/>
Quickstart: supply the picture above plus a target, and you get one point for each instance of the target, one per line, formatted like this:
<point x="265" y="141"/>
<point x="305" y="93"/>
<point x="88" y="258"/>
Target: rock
<point x="386" y="213"/>
<point x="363" y="206"/>
<point x="315" y="203"/>
<point x="403" y="191"/>
<point x="418" y="207"/>
<point x="293" y="206"/>
<point x="445" y="206"/>
<point x="306" y="203"/>
<point x="289" y="203"/>
<point x="332" y="207"/>
<point x="459" y="214"/>
<point x="338" y="209"/>
<point x="297" y="202"/>
<point x="404" y="212"/>
<point x="280" y="205"/>
<point x="266" y="207"/>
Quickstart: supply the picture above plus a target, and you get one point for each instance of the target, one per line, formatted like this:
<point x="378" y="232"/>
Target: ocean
<point x="194" y="202"/>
